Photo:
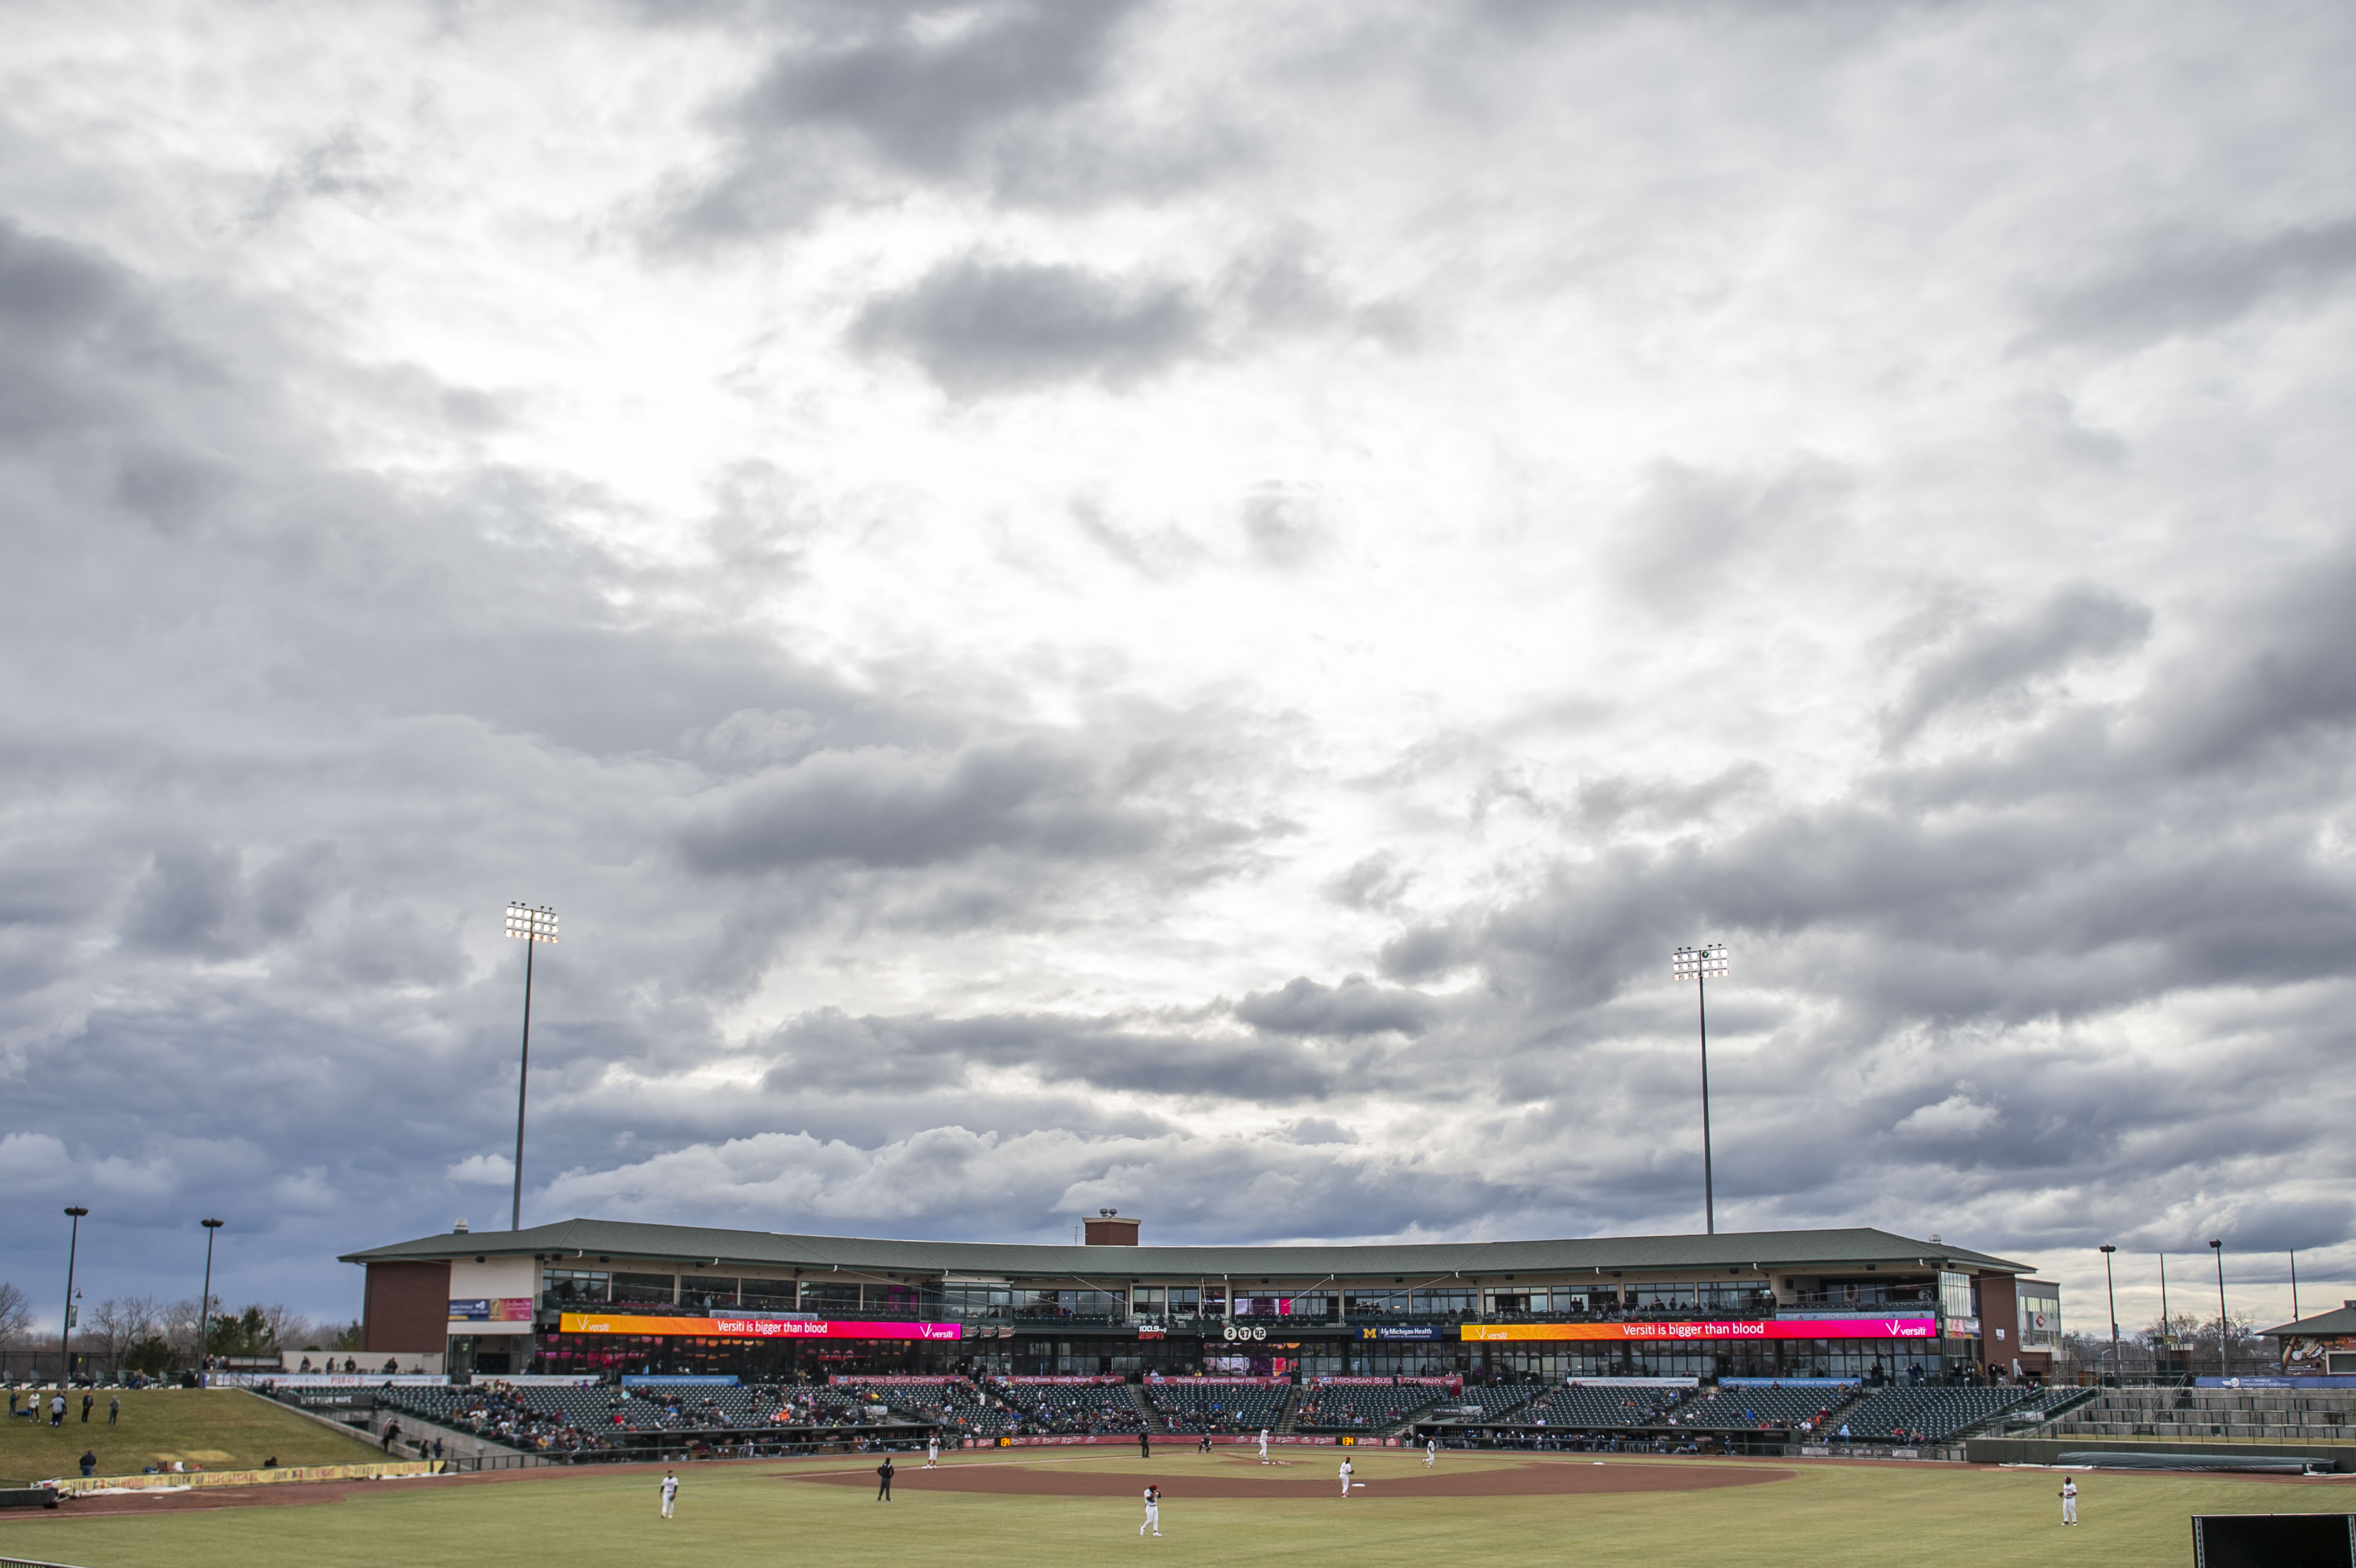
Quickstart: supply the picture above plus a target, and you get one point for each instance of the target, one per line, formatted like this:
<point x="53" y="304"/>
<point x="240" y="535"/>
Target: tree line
<point x="150" y="1334"/>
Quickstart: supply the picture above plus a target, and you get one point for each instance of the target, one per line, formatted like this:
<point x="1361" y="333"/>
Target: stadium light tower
<point x="532" y="927"/>
<point x="1703" y="965"/>
<point x="64" y="1334"/>
<point x="2110" y="1291"/>
<point x="2224" y="1367"/>
<point x="205" y="1306"/>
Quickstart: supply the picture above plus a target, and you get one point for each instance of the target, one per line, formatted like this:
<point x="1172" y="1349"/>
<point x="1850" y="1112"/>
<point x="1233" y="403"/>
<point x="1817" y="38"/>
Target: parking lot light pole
<point x="1703" y="965"/>
<point x="531" y="926"/>
<point x="2110" y="1291"/>
<point x="2223" y="1367"/>
<point x="204" y="1307"/>
<point x="64" y="1334"/>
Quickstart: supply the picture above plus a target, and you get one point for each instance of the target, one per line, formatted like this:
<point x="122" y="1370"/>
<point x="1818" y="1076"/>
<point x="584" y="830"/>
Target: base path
<point x="1533" y="1477"/>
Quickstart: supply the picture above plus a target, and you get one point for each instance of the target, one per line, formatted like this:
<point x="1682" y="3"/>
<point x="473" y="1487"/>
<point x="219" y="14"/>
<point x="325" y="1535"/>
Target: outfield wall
<point x="2341" y="1456"/>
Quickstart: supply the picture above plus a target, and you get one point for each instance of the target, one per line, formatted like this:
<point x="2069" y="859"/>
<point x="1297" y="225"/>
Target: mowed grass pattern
<point x="1829" y="1514"/>
<point x="222" y="1429"/>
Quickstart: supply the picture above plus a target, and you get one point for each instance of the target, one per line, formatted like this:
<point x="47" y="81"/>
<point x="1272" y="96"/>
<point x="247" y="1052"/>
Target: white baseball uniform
<point x="1431" y="1452"/>
<point x="1152" y="1511"/>
<point x="932" y="1453"/>
<point x="1345" y="1477"/>
<point x="1263" y="1445"/>
<point x="670" y="1491"/>
<point x="2069" y="1502"/>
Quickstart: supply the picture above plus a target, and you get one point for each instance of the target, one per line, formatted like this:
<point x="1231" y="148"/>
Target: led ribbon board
<point x="1820" y="1329"/>
<point x="750" y="1328"/>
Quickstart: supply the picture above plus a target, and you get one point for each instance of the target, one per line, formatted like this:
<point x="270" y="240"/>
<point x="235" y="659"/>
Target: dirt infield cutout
<point x="1531" y="1478"/>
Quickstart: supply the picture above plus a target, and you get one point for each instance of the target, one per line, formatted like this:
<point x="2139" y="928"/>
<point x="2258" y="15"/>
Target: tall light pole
<point x="1703" y="965"/>
<point x="2112" y="1292"/>
<point x="2166" y="1330"/>
<point x="531" y="926"/>
<point x="2293" y="1285"/>
<point x="2223" y="1367"/>
<point x="65" y="1335"/>
<point x="205" y="1307"/>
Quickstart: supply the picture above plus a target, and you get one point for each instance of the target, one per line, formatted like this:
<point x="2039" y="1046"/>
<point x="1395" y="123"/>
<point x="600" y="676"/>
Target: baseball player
<point x="2070" y="1501"/>
<point x="1263" y="1445"/>
<point x="1345" y="1478"/>
<point x="671" y="1492"/>
<point x="933" y="1452"/>
<point x="1431" y="1452"/>
<point x="1152" y="1512"/>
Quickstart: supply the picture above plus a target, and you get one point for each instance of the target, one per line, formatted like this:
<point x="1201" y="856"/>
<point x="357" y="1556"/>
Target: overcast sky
<point x="1175" y="606"/>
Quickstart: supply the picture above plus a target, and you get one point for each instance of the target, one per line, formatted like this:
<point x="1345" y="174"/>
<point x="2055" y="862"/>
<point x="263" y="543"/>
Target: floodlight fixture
<point x="1701" y="965"/>
<point x="205" y="1305"/>
<point x="530" y="924"/>
<point x="75" y="1213"/>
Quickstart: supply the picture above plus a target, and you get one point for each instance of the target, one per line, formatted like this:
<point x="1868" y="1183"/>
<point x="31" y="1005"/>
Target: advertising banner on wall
<point x="749" y="1327"/>
<point x="1821" y="1329"/>
<point x="492" y="1310"/>
<point x="1404" y="1331"/>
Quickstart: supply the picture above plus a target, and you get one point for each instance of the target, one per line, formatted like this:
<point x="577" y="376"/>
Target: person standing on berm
<point x="884" y="1480"/>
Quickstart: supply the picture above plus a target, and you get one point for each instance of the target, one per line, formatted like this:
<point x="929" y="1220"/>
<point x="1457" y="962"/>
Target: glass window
<point x="978" y="1300"/>
<point x="1955" y="1295"/>
<point x="644" y="1289"/>
<point x="1662" y="1297"/>
<point x="1447" y="1301"/>
<point x="776" y="1294"/>
<point x="1375" y="1302"/>
<point x="566" y="1287"/>
<point x="2041" y="1315"/>
<point x="897" y="1298"/>
<point x="703" y="1290"/>
<point x="831" y="1297"/>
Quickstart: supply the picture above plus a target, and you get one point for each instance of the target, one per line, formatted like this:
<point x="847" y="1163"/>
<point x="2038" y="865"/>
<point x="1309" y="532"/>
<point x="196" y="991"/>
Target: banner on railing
<point x="1089" y="1381"/>
<point x="326" y="1380"/>
<point x="691" y="1380"/>
<point x="749" y="1327"/>
<point x="1222" y="1382"/>
<point x="1772" y="1328"/>
<point x="1386" y="1382"/>
<point x="895" y="1379"/>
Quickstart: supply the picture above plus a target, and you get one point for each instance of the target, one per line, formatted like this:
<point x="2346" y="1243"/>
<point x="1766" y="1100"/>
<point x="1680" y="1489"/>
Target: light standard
<point x="2293" y="1285"/>
<point x="2166" y="1330"/>
<point x="2110" y="1291"/>
<point x="2224" y="1367"/>
<point x="532" y="927"/>
<point x="205" y="1307"/>
<point x="1703" y="965"/>
<point x="65" y="1335"/>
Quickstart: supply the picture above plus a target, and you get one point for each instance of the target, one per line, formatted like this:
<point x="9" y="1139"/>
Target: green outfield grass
<point x="1828" y="1516"/>
<point x="222" y="1429"/>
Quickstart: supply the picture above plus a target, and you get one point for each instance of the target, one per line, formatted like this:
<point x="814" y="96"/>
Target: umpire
<point x="884" y="1480"/>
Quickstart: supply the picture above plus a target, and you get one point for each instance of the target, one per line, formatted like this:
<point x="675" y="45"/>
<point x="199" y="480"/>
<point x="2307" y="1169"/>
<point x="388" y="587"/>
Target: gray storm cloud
<point x="1164" y="606"/>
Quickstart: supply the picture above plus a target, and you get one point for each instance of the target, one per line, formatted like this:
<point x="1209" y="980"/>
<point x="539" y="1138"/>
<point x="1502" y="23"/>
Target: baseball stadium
<point x="707" y="1396"/>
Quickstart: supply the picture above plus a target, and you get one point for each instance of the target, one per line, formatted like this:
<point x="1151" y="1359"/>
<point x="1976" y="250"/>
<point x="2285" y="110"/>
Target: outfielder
<point x="2070" y="1501"/>
<point x="1152" y="1511"/>
<point x="671" y="1492"/>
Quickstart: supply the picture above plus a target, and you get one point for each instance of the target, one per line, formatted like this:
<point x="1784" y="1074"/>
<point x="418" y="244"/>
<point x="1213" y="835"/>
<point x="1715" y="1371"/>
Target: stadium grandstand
<point x="1195" y="1405"/>
<point x="608" y="1298"/>
<point x="1366" y="1407"/>
<point x="1067" y="1406"/>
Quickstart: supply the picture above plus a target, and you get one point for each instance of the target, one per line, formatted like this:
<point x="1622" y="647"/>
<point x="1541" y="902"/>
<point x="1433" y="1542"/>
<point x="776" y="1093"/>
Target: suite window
<point x="645" y="1289"/>
<point x="769" y="1294"/>
<point x="832" y="1297"/>
<point x="575" y="1286"/>
<point x="702" y="1290"/>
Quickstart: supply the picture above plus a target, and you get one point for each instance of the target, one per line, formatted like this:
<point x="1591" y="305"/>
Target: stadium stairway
<point x="1147" y="1416"/>
<point x="1284" y="1427"/>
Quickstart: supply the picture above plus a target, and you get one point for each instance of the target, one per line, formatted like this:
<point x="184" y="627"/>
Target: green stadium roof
<point x="1804" y="1251"/>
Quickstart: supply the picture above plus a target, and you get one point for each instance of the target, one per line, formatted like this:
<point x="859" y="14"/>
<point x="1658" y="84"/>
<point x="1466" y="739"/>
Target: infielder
<point x="1152" y="1511"/>
<point x="1263" y="1445"/>
<point x="671" y="1492"/>
<point x="1431" y="1452"/>
<point x="1345" y="1478"/>
<point x="933" y="1452"/>
<point x="2070" y="1501"/>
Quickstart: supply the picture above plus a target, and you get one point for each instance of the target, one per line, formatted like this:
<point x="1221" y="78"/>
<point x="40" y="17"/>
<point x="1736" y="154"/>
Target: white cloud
<point x="482" y="1170"/>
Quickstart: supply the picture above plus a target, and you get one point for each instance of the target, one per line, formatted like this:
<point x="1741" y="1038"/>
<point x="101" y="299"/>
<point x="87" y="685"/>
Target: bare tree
<point x="15" y="1316"/>
<point x="289" y="1329"/>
